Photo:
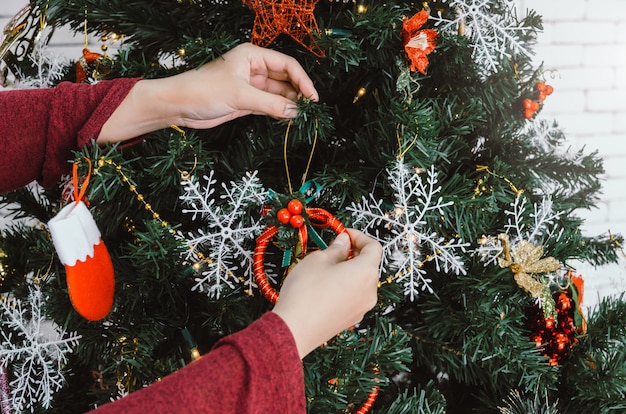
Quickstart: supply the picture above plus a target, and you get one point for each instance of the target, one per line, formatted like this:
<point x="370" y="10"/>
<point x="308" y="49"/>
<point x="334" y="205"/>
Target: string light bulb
<point x="3" y="267"/>
<point x="337" y="32"/>
<point x="191" y="344"/>
<point x="359" y="94"/>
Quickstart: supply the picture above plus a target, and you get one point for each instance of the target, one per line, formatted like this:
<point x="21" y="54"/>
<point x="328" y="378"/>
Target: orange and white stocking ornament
<point x="78" y="243"/>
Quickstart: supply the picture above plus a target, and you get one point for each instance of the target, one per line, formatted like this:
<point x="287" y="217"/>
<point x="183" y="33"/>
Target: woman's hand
<point x="246" y="80"/>
<point x="326" y="293"/>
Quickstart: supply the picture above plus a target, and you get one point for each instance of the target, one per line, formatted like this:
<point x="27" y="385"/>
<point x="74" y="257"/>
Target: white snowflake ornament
<point x="403" y="230"/>
<point x="224" y="235"/>
<point x="542" y="229"/>
<point x="491" y="25"/>
<point x="35" y="349"/>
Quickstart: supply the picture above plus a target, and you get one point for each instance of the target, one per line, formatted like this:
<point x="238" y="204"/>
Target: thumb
<point x="266" y="103"/>
<point x="339" y="248"/>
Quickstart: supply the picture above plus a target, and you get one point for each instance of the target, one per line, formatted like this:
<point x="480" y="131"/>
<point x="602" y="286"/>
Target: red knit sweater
<point x="257" y="370"/>
<point x="41" y="127"/>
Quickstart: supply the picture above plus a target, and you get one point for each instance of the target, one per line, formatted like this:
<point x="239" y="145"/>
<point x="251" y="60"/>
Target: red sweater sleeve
<point x="39" y="128"/>
<point x="256" y="370"/>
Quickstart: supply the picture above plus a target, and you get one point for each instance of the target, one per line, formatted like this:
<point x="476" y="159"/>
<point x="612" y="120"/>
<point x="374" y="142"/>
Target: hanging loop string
<point x="184" y="174"/>
<point x="402" y="152"/>
<point x="79" y="194"/>
<point x="308" y="165"/>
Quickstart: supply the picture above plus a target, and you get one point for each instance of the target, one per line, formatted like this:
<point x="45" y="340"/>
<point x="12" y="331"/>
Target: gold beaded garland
<point x="102" y="161"/>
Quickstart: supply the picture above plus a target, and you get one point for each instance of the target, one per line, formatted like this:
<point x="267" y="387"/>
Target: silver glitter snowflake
<point x="35" y="348"/>
<point x="404" y="230"/>
<point x="225" y="233"/>
<point x="493" y="28"/>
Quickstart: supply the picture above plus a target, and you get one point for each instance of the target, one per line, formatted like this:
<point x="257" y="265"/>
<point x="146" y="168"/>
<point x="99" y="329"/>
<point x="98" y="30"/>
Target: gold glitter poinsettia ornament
<point x="524" y="260"/>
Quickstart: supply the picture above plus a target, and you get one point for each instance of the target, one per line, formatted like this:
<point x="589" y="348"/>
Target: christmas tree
<point x="426" y="136"/>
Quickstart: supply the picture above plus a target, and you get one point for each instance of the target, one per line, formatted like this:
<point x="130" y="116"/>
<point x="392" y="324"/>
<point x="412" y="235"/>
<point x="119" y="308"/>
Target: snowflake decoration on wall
<point x="404" y="231"/>
<point x="35" y="348"/>
<point x="224" y="238"/>
<point x="491" y="25"/>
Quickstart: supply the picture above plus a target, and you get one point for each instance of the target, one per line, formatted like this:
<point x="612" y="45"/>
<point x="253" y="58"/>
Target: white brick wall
<point x="584" y="43"/>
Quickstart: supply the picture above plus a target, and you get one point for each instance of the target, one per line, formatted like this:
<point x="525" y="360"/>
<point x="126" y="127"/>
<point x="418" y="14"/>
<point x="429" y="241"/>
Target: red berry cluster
<point x="532" y="106"/>
<point x="292" y="214"/>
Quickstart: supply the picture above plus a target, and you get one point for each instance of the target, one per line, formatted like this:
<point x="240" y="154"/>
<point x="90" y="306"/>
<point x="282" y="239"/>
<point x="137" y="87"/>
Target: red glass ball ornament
<point x="283" y="216"/>
<point x="296" y="221"/>
<point x="295" y="207"/>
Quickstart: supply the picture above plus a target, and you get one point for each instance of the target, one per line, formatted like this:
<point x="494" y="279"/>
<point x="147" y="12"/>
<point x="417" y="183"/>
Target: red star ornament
<point x="291" y="17"/>
<point x="418" y="44"/>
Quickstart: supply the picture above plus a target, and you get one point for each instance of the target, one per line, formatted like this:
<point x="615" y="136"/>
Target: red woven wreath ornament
<point x="371" y="399"/>
<point x="292" y="224"/>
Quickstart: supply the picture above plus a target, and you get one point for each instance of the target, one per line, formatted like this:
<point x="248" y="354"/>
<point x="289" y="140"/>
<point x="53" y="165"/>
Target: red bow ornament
<point x="418" y="44"/>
